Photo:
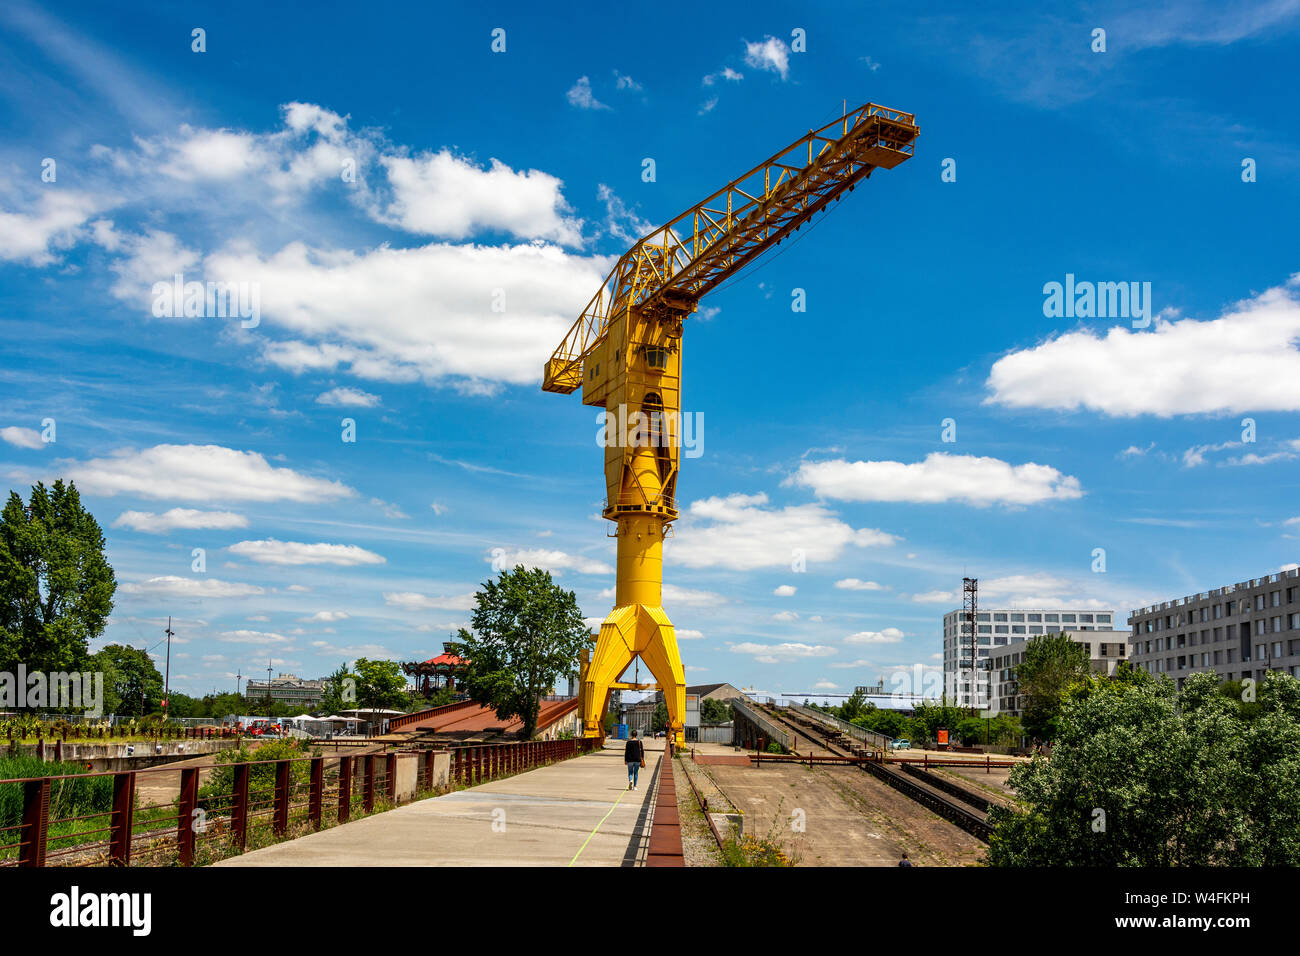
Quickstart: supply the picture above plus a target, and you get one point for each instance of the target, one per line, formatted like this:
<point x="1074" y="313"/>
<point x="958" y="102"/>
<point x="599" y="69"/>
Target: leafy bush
<point x="215" y="794"/>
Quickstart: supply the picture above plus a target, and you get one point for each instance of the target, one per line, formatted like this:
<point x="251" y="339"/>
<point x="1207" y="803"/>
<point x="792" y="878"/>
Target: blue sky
<point x="380" y="179"/>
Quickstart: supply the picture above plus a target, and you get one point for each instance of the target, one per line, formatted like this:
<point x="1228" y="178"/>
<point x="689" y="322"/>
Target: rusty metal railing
<point x="298" y="793"/>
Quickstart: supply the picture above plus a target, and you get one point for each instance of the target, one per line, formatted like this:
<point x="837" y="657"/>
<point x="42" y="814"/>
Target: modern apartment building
<point x="1239" y="631"/>
<point x="999" y="627"/>
<point x="1105" y="650"/>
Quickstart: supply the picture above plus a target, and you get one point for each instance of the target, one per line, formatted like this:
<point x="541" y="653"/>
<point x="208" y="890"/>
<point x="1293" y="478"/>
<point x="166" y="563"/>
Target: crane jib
<point x="666" y="272"/>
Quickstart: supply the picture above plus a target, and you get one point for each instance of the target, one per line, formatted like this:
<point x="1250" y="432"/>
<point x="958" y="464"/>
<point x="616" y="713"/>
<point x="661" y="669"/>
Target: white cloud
<point x="846" y="665"/>
<point x="825" y="685"/>
<point x="22" y="437"/>
<point x="737" y="532"/>
<point x="253" y="637"/>
<point x="786" y="616"/>
<point x="548" y="560"/>
<point x="286" y="553"/>
<point x="726" y="73"/>
<point x="146" y="259"/>
<point x="414" y="601"/>
<point x="621" y="221"/>
<point x="176" y="587"/>
<point x="348" y="397"/>
<point x="853" y="584"/>
<point x="199" y="473"/>
<point x="580" y="95"/>
<point x="940" y="477"/>
<point x="1248" y="360"/>
<point x="420" y="314"/>
<point x="785" y="590"/>
<point x="179" y="518"/>
<point x="777" y="653"/>
<point x="54" y="223"/>
<point x="688" y="634"/>
<point x="674" y="596"/>
<point x="441" y="194"/>
<point x="769" y="54"/>
<point x="625" y="82"/>
<point x="326" y="617"/>
<point x="935" y="597"/>
<point x="890" y="635"/>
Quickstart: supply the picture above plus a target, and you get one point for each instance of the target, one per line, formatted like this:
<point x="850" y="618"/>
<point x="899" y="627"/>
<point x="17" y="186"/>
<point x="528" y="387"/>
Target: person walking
<point x="904" y="861"/>
<point x="634" y="757"/>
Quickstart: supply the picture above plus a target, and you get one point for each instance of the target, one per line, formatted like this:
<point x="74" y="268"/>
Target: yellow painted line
<point x="598" y="826"/>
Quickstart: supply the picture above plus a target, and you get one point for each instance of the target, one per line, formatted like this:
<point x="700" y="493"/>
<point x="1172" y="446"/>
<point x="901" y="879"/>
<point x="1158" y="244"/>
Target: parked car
<point x="901" y="743"/>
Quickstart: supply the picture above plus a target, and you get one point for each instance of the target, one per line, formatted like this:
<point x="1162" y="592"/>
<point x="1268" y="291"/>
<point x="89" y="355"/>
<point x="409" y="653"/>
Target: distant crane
<point x="624" y="352"/>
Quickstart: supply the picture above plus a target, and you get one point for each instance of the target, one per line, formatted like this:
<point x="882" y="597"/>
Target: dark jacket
<point x="633" y="752"/>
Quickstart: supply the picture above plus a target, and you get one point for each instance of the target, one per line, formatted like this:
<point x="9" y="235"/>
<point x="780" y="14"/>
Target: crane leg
<point x="630" y="631"/>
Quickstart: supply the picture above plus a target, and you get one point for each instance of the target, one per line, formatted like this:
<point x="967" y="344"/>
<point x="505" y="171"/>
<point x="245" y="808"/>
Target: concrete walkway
<point x="578" y="812"/>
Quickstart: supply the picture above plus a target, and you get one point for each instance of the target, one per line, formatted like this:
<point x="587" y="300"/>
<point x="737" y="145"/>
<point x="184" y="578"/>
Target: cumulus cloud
<point x="940" y="477"/>
<point x="415" y="601"/>
<point x="890" y="635"/>
<point x="171" y="586"/>
<point x="1246" y="360"/>
<point x="675" y="596"/>
<point x="179" y="518"/>
<point x="738" y="532"/>
<point x="326" y="617"/>
<point x="271" y="551"/>
<point x="199" y="473"/>
<point x="554" y="561"/>
<point x="54" y="222"/>
<point x="785" y="590"/>
<point x="580" y="95"/>
<point x="778" y="653"/>
<point x="769" y="54"/>
<point x="853" y="584"/>
<point x="348" y="398"/>
<point x="441" y="194"/>
<point x="420" y="314"/>
<point x="22" y="437"/>
<point x="243" y="636"/>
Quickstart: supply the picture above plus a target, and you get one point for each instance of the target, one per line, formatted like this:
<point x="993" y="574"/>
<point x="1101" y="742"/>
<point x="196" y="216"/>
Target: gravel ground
<point x="698" y="845"/>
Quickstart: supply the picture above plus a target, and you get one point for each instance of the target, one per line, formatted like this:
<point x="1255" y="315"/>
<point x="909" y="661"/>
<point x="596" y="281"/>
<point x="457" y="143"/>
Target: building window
<point x="1067" y="618"/>
<point x="1051" y="618"/>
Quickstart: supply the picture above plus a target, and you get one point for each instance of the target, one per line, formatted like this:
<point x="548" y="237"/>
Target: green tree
<point x="659" y="719"/>
<point x="132" y="683"/>
<point x="56" y="586"/>
<point x="527" y="633"/>
<point x="1053" y="664"/>
<point x="1143" y="775"/>
<point x="854" y="707"/>
<point x="380" y="684"/>
<point x="888" y="722"/>
<point x="714" y="711"/>
<point x="339" y="691"/>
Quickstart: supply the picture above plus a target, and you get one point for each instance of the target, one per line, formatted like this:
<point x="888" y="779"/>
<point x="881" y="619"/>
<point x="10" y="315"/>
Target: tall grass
<point x="68" y="798"/>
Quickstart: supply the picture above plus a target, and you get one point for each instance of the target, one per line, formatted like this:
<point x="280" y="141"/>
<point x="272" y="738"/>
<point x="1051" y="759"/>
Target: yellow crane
<point x="625" y="353"/>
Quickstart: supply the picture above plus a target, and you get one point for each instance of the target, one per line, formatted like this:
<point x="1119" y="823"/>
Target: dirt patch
<point x="841" y="816"/>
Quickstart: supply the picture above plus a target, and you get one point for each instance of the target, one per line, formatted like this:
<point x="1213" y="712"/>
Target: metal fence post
<point x="316" y="796"/>
<point x="390" y="778"/>
<point x="345" y="788"/>
<point x="239" y="812"/>
<point x="280" y="819"/>
<point x="36" y="822"/>
<point x="368" y="791"/>
<point x="119" y="842"/>
<point x="189" y="802"/>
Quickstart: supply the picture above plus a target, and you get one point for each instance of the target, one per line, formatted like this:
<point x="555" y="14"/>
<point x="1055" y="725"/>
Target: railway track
<point x="950" y="800"/>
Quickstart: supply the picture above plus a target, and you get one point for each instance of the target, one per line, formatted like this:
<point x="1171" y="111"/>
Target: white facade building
<point x="998" y="627"/>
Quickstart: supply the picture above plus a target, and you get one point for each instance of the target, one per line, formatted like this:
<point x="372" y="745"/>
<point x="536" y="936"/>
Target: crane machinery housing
<point x="625" y="353"/>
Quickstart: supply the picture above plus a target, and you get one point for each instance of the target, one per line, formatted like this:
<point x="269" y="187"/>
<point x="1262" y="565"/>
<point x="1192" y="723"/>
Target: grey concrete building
<point x="1239" y="631"/>
<point x="996" y="628"/>
<point x="1105" y="650"/>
